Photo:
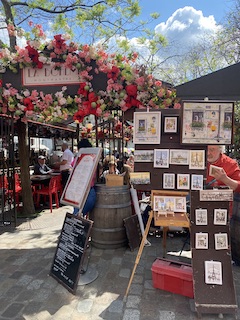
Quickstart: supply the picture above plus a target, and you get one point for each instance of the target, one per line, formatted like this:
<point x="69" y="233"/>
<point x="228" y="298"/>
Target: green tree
<point x="89" y="18"/>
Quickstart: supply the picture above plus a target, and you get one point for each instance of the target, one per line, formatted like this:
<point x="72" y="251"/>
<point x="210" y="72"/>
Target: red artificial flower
<point x="131" y="100"/>
<point x="82" y="89"/>
<point x="59" y="41"/>
<point x="1" y="83"/>
<point x="131" y="90"/>
<point x="34" y="55"/>
<point x="79" y="116"/>
<point x="113" y="73"/>
<point x="28" y="103"/>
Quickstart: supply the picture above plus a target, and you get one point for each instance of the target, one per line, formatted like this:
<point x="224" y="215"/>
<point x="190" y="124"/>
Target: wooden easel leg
<point x="140" y="251"/>
<point x="165" y="229"/>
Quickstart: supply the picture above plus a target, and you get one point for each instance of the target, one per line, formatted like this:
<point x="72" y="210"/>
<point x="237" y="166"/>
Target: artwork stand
<point x="211" y="252"/>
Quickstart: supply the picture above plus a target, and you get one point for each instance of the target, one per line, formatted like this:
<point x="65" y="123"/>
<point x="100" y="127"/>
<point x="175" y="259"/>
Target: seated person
<point x="112" y="169"/>
<point x="41" y="167"/>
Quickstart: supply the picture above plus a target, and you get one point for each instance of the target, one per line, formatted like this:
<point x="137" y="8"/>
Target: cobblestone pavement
<point x="28" y="292"/>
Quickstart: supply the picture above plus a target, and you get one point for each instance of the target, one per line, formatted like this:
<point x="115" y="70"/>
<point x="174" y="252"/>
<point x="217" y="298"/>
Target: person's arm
<point x="61" y="163"/>
<point x="220" y="174"/>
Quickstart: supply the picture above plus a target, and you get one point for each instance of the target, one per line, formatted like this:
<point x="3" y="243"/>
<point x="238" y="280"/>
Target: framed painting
<point x="201" y="217"/>
<point x="169" y="181"/>
<point x="201" y="241"/>
<point x="221" y="241"/>
<point x="197" y="159"/>
<point x="143" y="156"/>
<point x="196" y="182"/>
<point x="183" y="181"/>
<point x="170" y="124"/>
<point x="161" y="158"/>
<point x="179" y="156"/>
<point x="213" y="272"/>
<point x="147" y="127"/>
<point x="207" y="122"/>
<point x="220" y="217"/>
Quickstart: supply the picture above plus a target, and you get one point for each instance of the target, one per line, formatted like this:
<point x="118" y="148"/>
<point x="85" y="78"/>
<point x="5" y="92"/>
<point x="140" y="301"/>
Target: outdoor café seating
<point x="54" y="188"/>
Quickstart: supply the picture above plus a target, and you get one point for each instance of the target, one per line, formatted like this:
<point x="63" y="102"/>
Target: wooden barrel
<point x="113" y="204"/>
<point x="235" y="231"/>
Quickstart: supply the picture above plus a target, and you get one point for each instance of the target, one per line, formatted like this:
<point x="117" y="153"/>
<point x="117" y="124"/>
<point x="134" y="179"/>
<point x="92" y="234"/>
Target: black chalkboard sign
<point x="70" y="252"/>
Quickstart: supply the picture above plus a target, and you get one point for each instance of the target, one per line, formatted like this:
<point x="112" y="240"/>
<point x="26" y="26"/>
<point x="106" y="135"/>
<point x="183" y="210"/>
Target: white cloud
<point x="186" y="26"/>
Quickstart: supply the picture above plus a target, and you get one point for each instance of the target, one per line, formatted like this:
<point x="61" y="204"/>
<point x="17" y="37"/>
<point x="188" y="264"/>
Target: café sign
<point x="49" y="76"/>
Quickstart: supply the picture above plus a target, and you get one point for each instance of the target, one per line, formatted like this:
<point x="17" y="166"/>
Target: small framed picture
<point x="170" y="124"/>
<point x="201" y="240"/>
<point x="147" y="128"/>
<point x="196" y="182"/>
<point x="163" y="204"/>
<point x="213" y="272"/>
<point x="213" y="169"/>
<point x="183" y="181"/>
<point x="161" y="158"/>
<point x="169" y="181"/>
<point x="197" y="159"/>
<point x="180" y="204"/>
<point x="143" y="156"/>
<point x="221" y="241"/>
<point x="201" y="217"/>
<point x="220" y="216"/>
<point x="179" y="156"/>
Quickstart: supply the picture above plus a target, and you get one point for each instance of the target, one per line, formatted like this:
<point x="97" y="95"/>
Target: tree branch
<point x="58" y="9"/>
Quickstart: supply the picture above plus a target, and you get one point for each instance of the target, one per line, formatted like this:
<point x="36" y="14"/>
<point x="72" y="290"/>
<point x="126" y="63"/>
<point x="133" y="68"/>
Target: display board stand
<point x="214" y="290"/>
<point x="79" y="182"/>
<point x="71" y="250"/>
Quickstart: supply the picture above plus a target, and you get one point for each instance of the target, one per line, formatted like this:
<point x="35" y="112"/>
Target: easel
<point x="179" y="220"/>
<point x="140" y="251"/>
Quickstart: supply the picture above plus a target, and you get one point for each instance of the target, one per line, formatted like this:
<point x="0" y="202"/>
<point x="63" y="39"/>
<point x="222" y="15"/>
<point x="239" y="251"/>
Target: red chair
<point x="59" y="184"/>
<point x="18" y="189"/>
<point x="49" y="191"/>
<point x="4" y="187"/>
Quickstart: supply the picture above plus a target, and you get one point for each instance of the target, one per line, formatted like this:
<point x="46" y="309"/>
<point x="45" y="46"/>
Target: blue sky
<point x="217" y="8"/>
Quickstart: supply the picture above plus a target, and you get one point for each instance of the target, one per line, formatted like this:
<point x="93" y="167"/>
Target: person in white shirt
<point x="66" y="163"/>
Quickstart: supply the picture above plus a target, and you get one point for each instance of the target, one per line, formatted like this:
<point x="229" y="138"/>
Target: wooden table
<point x="170" y="220"/>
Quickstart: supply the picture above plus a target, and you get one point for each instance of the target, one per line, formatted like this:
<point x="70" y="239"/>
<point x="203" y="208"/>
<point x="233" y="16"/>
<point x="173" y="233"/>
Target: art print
<point x="183" y="181"/>
<point x="221" y="241"/>
<point x="213" y="169"/>
<point x="206" y="122"/>
<point x="163" y="204"/>
<point x="213" y="272"/>
<point x="170" y="124"/>
<point x="201" y="240"/>
<point x="161" y="158"/>
<point x="216" y="195"/>
<point x="168" y="181"/>
<point x="147" y="127"/>
<point x="143" y="156"/>
<point x="197" y="159"/>
<point x="180" y="157"/>
<point x="220" y="216"/>
<point x="196" y="182"/>
<point x="140" y="177"/>
<point x="180" y="204"/>
<point x="201" y="217"/>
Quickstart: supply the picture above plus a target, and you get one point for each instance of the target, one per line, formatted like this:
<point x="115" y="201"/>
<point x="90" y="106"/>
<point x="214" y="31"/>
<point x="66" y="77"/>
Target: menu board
<point x="70" y="252"/>
<point x="79" y="182"/>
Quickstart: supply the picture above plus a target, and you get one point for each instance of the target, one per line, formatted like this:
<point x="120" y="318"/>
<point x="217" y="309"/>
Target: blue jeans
<point x="89" y="204"/>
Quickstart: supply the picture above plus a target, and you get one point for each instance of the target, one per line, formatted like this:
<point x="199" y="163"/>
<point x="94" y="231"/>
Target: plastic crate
<point x="173" y="276"/>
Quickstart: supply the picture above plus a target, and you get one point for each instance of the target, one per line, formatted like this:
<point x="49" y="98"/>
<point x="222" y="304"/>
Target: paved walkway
<point x="28" y="292"/>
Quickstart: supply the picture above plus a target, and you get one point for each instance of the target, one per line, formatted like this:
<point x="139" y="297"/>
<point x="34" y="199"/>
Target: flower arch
<point x="126" y="85"/>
